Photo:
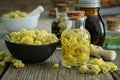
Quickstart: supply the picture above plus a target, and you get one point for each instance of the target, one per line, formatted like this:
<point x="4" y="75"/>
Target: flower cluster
<point x="5" y="58"/>
<point x="15" y="14"/>
<point x="75" y="46"/>
<point x="97" y="65"/>
<point x="33" y="37"/>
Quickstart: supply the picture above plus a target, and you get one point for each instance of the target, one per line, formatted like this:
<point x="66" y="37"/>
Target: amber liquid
<point x="95" y="26"/>
<point x="96" y="29"/>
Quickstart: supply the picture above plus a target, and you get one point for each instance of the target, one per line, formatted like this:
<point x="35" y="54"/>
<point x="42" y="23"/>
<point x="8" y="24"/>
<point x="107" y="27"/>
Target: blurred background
<point x="109" y="7"/>
<point x="110" y="10"/>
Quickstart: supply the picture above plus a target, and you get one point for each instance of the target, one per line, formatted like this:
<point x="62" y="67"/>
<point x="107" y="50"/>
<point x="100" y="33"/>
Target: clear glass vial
<point x="75" y="42"/>
<point x="60" y="23"/>
<point x="112" y="39"/>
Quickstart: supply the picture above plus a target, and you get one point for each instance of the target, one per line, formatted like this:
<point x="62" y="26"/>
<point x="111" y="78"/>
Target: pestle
<point x="106" y="54"/>
<point x="36" y="11"/>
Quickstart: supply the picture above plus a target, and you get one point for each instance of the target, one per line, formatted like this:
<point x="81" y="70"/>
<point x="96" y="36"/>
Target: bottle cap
<point x="89" y="3"/>
<point x="75" y="14"/>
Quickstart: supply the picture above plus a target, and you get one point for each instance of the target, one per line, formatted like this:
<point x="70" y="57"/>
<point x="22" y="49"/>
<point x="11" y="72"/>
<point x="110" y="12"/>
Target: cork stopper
<point x="113" y="23"/>
<point x="61" y="5"/>
<point x="113" y="20"/>
<point x="75" y="15"/>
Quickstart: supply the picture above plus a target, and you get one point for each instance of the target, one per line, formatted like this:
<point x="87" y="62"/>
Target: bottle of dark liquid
<point x="94" y="22"/>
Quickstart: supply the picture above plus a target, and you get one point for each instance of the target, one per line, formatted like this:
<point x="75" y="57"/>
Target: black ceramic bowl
<point x="31" y="53"/>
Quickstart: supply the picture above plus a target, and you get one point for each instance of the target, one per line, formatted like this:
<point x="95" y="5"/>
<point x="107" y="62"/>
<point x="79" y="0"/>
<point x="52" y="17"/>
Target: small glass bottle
<point x="112" y="39"/>
<point x="75" y="41"/>
<point x="60" y="23"/>
<point x="61" y="11"/>
<point x="94" y="22"/>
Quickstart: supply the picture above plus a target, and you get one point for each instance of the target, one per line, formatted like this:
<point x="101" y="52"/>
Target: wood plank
<point x="116" y="74"/>
<point x="2" y="71"/>
<point x="3" y="48"/>
<point x="45" y="71"/>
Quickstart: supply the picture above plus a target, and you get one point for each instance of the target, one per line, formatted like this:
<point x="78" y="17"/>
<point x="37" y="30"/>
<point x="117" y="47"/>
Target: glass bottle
<point x="94" y="21"/>
<point x="112" y="39"/>
<point x="60" y="23"/>
<point x="75" y="42"/>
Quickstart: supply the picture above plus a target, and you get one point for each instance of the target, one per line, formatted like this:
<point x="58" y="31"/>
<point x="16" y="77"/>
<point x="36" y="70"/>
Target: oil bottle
<point x="94" y="22"/>
<point x="112" y="39"/>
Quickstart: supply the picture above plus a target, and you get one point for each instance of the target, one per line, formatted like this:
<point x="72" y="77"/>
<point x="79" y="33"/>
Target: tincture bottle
<point x="112" y="39"/>
<point x="94" y="21"/>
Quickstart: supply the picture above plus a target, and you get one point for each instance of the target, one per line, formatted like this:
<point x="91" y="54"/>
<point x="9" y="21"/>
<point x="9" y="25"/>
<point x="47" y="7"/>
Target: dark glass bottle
<point x="94" y="21"/>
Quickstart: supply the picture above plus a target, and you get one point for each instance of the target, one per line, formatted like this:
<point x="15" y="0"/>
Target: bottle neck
<point x="79" y="24"/>
<point x="61" y="13"/>
<point x="90" y="11"/>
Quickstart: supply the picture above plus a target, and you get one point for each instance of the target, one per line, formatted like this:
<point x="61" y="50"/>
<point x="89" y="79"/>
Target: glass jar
<point x="112" y="39"/>
<point x="75" y="43"/>
<point x="94" y="21"/>
<point x="60" y="23"/>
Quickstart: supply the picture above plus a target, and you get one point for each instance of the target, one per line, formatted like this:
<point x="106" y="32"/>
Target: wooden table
<point x="46" y="71"/>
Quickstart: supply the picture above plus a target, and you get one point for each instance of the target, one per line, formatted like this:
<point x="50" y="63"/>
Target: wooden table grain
<point x="45" y="70"/>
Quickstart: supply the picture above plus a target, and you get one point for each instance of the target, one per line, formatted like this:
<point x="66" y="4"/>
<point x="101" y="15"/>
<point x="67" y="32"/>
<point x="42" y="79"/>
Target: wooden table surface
<point x="46" y="71"/>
